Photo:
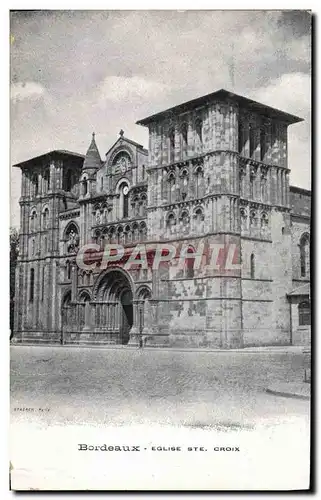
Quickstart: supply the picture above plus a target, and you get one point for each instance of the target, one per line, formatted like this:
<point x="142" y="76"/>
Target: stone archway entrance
<point x="114" y="306"/>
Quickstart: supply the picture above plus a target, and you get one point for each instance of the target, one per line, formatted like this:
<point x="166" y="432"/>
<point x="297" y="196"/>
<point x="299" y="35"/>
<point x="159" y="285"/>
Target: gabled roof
<point x="57" y="152"/>
<point x="133" y="143"/>
<point x="223" y="94"/>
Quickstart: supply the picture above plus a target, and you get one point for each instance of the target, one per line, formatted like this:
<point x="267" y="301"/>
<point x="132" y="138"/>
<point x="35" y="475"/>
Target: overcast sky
<point x="75" y="72"/>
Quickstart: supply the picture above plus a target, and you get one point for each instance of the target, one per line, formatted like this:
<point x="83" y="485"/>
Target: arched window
<point x="171" y="222"/>
<point x="46" y="180"/>
<point x="143" y="205"/>
<point x="184" y="133"/>
<point x="135" y="232"/>
<point x="32" y="285"/>
<point x="199" y="174"/>
<point x="199" y="216"/>
<point x="135" y="206"/>
<point x="112" y="235"/>
<point x="252" y="140"/>
<point x="305" y="255"/>
<point x="68" y="267"/>
<point x="189" y="263"/>
<point x="304" y="313"/>
<point x="35" y="184"/>
<point x="172" y="146"/>
<point x="252" y="266"/>
<point x="171" y="188"/>
<point x="127" y="234"/>
<point x="241" y="137"/>
<point x="262" y="144"/>
<point x="184" y="183"/>
<point x="68" y="180"/>
<point x="199" y="130"/>
<point x="84" y="186"/>
<point x="142" y="232"/>
<point x="33" y="247"/>
<point x="124" y="199"/>
<point x="33" y="221"/>
<point x="45" y="216"/>
<point x="120" y="235"/>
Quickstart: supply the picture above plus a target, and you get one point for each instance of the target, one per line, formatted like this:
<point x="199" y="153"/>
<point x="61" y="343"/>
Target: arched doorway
<point x="114" y="305"/>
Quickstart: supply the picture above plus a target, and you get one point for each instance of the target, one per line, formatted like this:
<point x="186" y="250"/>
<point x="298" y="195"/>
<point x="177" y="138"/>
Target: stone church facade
<point x="216" y="171"/>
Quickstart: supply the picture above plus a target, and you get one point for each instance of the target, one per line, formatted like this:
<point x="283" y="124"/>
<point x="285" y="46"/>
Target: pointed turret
<point x="92" y="159"/>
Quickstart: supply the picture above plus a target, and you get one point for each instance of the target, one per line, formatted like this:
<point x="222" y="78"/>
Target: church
<point x="216" y="170"/>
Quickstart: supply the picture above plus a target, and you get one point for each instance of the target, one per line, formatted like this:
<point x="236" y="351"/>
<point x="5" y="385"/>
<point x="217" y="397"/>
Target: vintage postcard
<point x="159" y="250"/>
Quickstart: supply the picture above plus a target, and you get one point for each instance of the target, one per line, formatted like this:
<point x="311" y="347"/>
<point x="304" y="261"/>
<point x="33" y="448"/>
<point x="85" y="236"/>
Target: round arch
<point x="106" y="273"/>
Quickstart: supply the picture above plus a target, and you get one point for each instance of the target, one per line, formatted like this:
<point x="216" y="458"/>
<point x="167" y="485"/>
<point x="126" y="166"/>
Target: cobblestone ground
<point x="123" y="386"/>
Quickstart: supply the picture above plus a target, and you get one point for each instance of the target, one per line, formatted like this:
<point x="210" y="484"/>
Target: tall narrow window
<point x="125" y="199"/>
<point x="101" y="183"/>
<point x="85" y="186"/>
<point x="35" y="183"/>
<point x="199" y="130"/>
<point x="171" y="188"/>
<point x="46" y="180"/>
<point x="45" y="245"/>
<point x="42" y="283"/>
<point x="252" y="266"/>
<point x="184" y="131"/>
<point x="68" y="180"/>
<point x="143" y="172"/>
<point x="172" y="146"/>
<point x="68" y="270"/>
<point x="32" y="285"/>
<point x="45" y="218"/>
<point x="304" y="255"/>
<point x="189" y="263"/>
<point x="199" y="182"/>
<point x="252" y="141"/>
<point x="262" y="144"/>
<point x="241" y="138"/>
<point x="33" y="247"/>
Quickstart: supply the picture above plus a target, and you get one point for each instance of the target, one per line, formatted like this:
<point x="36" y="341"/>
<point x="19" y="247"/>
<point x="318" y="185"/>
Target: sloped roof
<point x="59" y="152"/>
<point x="301" y="290"/>
<point x="223" y="94"/>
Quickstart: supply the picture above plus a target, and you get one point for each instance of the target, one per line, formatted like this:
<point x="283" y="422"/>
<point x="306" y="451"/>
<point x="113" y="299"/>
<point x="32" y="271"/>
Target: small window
<point x="101" y="183"/>
<point x="172" y="146"/>
<point x="282" y="230"/>
<point x="252" y="266"/>
<point x="304" y="314"/>
<point x="241" y="137"/>
<point x="85" y="186"/>
<point x="143" y="172"/>
<point x="32" y="285"/>
<point x="262" y="144"/>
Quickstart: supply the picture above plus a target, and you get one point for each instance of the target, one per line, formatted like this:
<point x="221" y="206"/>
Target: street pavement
<point x="122" y="386"/>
